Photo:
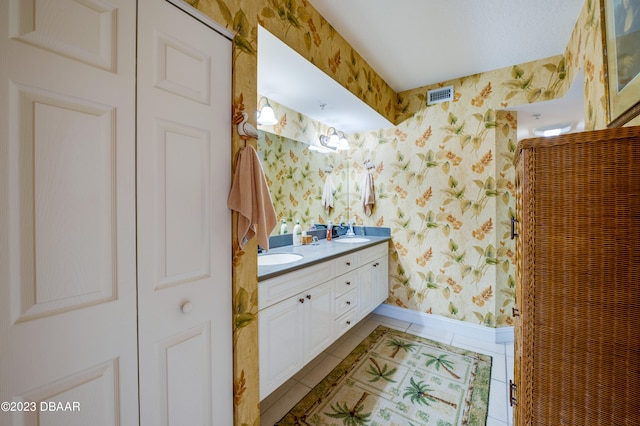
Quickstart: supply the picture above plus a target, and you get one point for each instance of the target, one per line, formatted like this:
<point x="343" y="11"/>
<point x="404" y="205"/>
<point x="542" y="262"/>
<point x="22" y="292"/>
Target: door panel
<point x="184" y="226"/>
<point x="280" y="336"/>
<point x="67" y="222"/>
<point x="319" y="319"/>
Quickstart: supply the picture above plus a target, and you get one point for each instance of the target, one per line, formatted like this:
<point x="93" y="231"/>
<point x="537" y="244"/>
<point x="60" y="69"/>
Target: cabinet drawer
<point x="345" y="322"/>
<point x="345" y="302"/>
<point x="279" y="288"/>
<point x="344" y="283"/>
<point x="346" y="263"/>
<point x="375" y="252"/>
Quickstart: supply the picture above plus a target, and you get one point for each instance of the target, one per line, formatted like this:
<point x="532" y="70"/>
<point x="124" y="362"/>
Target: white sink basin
<point x="351" y="240"/>
<point x="277" y="258"/>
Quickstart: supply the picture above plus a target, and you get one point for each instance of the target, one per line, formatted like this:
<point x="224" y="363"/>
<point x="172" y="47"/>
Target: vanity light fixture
<point x="334" y="139"/>
<point x="331" y="140"/>
<point x="325" y="145"/>
<point x="266" y="114"/>
<point x="343" y="143"/>
<point x="554" y="130"/>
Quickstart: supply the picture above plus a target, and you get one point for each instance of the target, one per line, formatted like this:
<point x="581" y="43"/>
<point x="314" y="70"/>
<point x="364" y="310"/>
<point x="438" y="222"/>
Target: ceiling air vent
<point x="437" y="96"/>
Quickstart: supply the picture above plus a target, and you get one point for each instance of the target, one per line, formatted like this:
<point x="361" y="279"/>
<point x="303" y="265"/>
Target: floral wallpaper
<point x="443" y="175"/>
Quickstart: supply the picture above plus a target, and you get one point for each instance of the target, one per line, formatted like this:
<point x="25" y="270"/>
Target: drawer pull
<point x="348" y="322"/>
<point x="512" y="388"/>
<point x="348" y="263"/>
<point x="309" y="296"/>
<point x="513" y="228"/>
<point x="348" y="283"/>
<point x="348" y="302"/>
<point x="301" y="300"/>
<point x="515" y="312"/>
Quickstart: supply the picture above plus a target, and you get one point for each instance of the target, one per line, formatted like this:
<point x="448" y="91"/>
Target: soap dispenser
<point x="297" y="234"/>
<point x="283" y="227"/>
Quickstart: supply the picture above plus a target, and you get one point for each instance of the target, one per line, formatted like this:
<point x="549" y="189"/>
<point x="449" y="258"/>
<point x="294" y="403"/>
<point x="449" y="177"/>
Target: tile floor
<point x="276" y="405"/>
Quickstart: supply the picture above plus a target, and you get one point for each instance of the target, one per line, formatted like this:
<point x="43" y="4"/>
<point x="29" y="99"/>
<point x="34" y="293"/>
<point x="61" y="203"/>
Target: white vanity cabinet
<point x="302" y="312"/>
<point x="295" y="322"/>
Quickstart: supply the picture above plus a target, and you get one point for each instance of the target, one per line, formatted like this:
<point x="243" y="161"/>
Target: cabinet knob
<point x="348" y="302"/>
<point x="348" y="322"/>
<point x="348" y="263"/>
<point x="301" y="300"/>
<point x="309" y="296"/>
<point x="375" y="265"/>
<point x="348" y="283"/>
<point x="186" y="307"/>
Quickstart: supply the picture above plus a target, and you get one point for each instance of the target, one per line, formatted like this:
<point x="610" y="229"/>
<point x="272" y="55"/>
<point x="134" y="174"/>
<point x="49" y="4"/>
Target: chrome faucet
<point x="350" y="232"/>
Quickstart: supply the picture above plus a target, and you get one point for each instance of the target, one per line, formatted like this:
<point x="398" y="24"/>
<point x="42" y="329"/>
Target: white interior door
<point x="184" y="226"/>
<point x="67" y="211"/>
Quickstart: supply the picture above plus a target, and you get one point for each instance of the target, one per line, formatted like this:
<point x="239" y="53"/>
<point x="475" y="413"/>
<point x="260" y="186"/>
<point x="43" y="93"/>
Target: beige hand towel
<point x="367" y="193"/>
<point x="327" y="193"/>
<point x="250" y="197"/>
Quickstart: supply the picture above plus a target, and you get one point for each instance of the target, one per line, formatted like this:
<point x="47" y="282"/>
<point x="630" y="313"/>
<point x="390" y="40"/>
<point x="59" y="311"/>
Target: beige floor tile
<point x="310" y="366"/>
<point x="271" y="399"/>
<point x="320" y="370"/>
<point x="284" y="404"/>
<point x="347" y="344"/>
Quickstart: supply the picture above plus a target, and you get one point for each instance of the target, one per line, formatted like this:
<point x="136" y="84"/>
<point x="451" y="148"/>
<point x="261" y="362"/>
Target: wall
<point x="443" y="175"/>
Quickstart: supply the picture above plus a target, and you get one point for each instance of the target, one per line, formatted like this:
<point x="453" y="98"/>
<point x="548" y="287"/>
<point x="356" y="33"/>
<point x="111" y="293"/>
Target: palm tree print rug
<point x="395" y="378"/>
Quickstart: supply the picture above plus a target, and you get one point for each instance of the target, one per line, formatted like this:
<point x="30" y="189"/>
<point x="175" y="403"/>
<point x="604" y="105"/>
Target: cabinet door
<point x="381" y="279"/>
<point x="318" y="319"/>
<point x="366" y="289"/>
<point x="281" y="350"/>
<point x="372" y="285"/>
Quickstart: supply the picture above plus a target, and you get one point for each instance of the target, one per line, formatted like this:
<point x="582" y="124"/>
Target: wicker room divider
<point x="577" y="315"/>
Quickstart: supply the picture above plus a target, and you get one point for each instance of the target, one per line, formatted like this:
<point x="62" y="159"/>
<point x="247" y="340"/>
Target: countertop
<point x="325" y="250"/>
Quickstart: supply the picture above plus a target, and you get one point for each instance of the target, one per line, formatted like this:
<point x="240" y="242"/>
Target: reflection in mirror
<point x="296" y="177"/>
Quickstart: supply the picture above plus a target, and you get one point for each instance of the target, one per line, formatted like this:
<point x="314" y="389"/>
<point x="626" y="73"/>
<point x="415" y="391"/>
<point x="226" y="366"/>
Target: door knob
<point x="186" y="307"/>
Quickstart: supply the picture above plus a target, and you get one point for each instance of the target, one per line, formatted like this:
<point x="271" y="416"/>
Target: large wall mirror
<point x="297" y="176"/>
<point x="307" y="102"/>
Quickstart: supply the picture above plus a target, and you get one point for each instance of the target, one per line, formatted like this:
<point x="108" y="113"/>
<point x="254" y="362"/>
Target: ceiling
<point x="413" y="43"/>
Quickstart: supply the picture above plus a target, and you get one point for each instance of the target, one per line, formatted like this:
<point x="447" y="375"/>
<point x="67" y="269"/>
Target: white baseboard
<point x="496" y="335"/>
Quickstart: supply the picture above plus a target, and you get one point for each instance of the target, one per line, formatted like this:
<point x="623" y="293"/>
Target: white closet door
<point x="184" y="226"/>
<point x="67" y="211"/>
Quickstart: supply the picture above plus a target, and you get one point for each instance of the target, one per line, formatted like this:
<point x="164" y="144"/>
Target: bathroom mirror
<point x="296" y="176"/>
<point x="313" y="101"/>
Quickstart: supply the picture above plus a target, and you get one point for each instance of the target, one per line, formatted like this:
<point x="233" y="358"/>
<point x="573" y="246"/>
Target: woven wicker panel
<point x="580" y="279"/>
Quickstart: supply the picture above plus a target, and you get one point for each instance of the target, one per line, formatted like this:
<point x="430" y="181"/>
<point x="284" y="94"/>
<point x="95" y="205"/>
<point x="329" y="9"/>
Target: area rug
<point x="395" y="378"/>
